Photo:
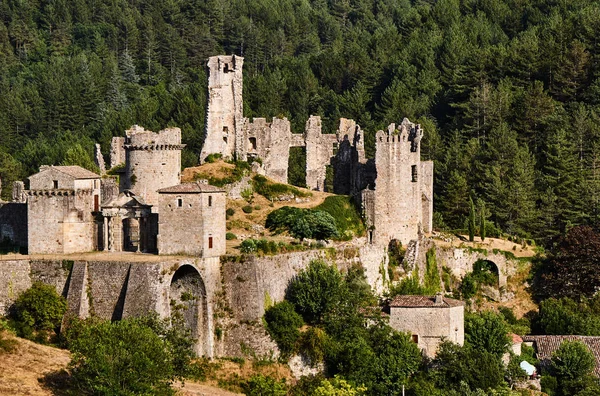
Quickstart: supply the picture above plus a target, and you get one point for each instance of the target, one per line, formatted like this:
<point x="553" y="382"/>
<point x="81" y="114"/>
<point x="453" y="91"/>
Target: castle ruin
<point x="394" y="190"/>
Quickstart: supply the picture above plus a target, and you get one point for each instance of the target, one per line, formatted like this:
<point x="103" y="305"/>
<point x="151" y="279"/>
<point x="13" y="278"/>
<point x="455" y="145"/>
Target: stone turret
<point x="152" y="161"/>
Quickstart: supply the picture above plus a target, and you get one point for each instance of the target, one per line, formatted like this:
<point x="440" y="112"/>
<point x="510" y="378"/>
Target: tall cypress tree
<point x="471" y="220"/>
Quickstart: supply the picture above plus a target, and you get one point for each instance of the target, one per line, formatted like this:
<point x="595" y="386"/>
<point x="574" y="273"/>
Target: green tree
<point x="316" y="290"/>
<point x="38" y="312"/>
<point x="338" y="386"/>
<point x="571" y="363"/>
<point x="260" y="385"/>
<point x="486" y="331"/>
<point x="124" y="357"/>
<point x="472" y="224"/>
<point x="282" y="324"/>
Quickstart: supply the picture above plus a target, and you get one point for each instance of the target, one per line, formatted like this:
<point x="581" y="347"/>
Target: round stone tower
<point x="152" y="161"/>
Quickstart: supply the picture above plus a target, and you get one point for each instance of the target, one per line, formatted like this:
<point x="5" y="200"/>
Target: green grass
<point x="348" y="220"/>
<point x="271" y="191"/>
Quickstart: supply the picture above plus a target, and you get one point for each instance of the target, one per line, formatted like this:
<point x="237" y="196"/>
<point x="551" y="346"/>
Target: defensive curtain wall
<point x="222" y="300"/>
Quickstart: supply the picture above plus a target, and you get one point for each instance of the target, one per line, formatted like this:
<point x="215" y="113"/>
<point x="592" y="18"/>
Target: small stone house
<point x="60" y="205"/>
<point x="191" y="220"/>
<point x="429" y="319"/>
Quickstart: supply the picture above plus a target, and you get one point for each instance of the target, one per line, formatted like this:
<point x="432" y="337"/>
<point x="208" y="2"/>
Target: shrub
<point x="271" y="190"/>
<point x="260" y="385"/>
<point x="248" y="246"/>
<point x="348" y="220"/>
<point x="210" y="158"/>
<point x="230" y="236"/>
<point x="315" y="290"/>
<point x="124" y="357"/>
<point x="282" y="324"/>
<point x="247" y="209"/>
<point x="38" y="312"/>
<point x="302" y="223"/>
<point x="229" y="212"/>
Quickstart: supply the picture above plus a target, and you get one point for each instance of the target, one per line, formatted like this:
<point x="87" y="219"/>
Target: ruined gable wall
<point x="271" y="143"/>
<point x="153" y="161"/>
<point x="426" y="180"/>
<point x="225" y="106"/>
<point x="117" y="151"/>
<point x="13" y="223"/>
<point x="319" y="151"/>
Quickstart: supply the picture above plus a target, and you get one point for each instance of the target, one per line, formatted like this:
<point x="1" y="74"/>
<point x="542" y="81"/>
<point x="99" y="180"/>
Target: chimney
<point x="439" y="299"/>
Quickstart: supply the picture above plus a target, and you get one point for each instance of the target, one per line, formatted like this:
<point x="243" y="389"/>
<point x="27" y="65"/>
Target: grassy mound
<point x="347" y="218"/>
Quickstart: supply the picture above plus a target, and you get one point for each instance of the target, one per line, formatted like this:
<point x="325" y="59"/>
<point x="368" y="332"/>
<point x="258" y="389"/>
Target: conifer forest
<point x="508" y="91"/>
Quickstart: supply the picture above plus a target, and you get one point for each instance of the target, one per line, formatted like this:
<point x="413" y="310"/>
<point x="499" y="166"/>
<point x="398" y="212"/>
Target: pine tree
<point x="471" y="220"/>
<point x="482" y="221"/>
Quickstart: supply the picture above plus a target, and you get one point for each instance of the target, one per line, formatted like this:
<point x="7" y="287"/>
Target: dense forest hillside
<point x="508" y="90"/>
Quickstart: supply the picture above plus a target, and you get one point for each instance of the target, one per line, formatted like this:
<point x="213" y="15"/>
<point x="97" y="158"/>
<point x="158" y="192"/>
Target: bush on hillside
<point x="282" y="324"/>
<point x="302" y="223"/>
<point x="38" y="312"/>
<point x="131" y="356"/>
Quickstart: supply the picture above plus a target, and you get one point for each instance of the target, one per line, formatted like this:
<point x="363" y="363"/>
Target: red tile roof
<point x="545" y="345"/>
<point x="423" y="301"/>
<point x="191" y="188"/>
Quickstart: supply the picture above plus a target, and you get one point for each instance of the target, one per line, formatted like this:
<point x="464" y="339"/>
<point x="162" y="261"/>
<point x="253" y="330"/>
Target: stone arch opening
<point x="487" y="272"/>
<point x="189" y="305"/>
<point x="131" y="234"/>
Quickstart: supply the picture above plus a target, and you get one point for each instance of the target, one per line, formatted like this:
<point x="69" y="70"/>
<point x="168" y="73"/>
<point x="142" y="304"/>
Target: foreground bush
<point x="282" y="324"/>
<point x="302" y="223"/>
<point x="38" y="312"/>
<point x="128" y="357"/>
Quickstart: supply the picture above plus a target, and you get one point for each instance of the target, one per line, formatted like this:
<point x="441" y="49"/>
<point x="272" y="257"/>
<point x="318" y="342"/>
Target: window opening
<point x="55" y="183"/>
<point x="179" y="202"/>
<point x="413" y="172"/>
<point x="210" y="242"/>
<point x="210" y="200"/>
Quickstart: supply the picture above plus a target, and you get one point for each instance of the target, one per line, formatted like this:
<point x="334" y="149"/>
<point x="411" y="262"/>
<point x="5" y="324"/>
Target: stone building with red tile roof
<point x="429" y="319"/>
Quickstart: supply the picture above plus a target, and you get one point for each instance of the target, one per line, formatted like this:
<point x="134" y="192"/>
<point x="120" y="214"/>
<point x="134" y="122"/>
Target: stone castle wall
<point x="60" y="221"/>
<point x="13" y="223"/>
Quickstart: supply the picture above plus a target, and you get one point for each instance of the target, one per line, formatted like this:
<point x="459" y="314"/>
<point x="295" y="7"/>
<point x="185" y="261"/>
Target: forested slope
<point x="507" y="90"/>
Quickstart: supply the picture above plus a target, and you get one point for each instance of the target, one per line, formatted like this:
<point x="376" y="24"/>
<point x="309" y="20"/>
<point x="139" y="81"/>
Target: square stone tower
<point x="224" y="116"/>
<point x="192" y="220"/>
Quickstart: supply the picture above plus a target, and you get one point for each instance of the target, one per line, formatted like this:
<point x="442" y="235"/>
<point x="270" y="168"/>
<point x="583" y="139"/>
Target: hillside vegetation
<point x="507" y="90"/>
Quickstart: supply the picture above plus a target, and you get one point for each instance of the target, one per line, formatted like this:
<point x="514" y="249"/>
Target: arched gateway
<point x="188" y="303"/>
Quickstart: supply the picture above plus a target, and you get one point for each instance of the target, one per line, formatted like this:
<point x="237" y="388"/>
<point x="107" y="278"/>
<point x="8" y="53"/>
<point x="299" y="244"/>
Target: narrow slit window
<point x="179" y="202"/>
<point x="55" y="183"/>
<point x="413" y="172"/>
<point x="210" y="200"/>
<point x="210" y="242"/>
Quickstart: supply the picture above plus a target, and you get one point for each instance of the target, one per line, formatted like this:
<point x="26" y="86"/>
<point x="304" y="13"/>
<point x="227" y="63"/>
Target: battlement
<point x="59" y="192"/>
<point x="137" y="138"/>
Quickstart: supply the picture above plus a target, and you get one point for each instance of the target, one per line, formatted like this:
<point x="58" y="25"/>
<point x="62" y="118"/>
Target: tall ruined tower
<point x="225" y="106"/>
<point x="400" y="205"/>
<point x="152" y="161"/>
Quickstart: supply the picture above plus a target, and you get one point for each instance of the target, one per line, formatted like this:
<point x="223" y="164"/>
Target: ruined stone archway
<point x="188" y="303"/>
<point x="487" y="270"/>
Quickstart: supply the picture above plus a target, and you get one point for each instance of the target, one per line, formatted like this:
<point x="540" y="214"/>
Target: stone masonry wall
<point x="13" y="223"/>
